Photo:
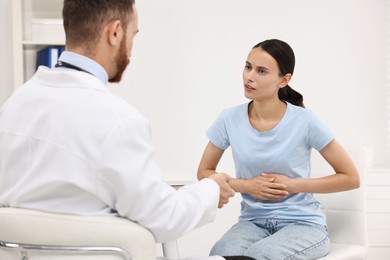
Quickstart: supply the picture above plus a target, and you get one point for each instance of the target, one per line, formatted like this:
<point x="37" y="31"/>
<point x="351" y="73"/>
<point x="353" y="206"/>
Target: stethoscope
<point x="63" y="64"/>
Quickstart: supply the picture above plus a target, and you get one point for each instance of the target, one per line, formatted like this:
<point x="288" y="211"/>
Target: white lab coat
<point x="67" y="145"/>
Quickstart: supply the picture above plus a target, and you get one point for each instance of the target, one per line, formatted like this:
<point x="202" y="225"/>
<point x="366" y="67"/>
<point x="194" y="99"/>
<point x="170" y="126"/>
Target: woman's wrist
<point x="205" y="174"/>
<point x="239" y="185"/>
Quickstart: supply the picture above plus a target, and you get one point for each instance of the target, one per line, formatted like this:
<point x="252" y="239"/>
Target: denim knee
<point x="236" y="240"/>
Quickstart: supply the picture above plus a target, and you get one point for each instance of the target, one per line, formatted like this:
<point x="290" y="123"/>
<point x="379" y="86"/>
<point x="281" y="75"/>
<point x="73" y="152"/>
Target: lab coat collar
<point x="67" y="79"/>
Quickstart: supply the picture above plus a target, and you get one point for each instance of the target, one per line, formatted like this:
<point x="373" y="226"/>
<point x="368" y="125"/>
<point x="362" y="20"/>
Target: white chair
<point x="30" y="234"/>
<point x="345" y="211"/>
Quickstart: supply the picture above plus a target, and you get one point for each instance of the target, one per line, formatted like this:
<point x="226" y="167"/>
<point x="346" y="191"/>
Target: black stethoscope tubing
<point x="63" y="64"/>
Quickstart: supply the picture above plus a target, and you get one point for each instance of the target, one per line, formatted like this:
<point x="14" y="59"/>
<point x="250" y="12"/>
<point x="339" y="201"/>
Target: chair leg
<point x="170" y="250"/>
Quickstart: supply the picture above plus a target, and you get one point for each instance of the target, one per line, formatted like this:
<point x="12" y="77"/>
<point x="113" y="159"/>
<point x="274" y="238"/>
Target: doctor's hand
<point x="264" y="187"/>
<point x="226" y="192"/>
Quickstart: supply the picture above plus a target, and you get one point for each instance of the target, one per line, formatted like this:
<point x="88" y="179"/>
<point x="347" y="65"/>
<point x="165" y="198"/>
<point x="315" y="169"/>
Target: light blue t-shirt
<point x="284" y="149"/>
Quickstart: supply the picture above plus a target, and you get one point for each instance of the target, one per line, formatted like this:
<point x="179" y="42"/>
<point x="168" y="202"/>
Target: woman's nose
<point x="248" y="75"/>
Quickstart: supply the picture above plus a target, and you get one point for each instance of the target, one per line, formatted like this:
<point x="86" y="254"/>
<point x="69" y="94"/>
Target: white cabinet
<point x="24" y="12"/>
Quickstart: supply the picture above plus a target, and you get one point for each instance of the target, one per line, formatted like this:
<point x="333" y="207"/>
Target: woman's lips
<point x="248" y="87"/>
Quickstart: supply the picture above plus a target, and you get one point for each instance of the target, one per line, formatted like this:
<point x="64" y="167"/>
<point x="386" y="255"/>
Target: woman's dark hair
<point x="284" y="56"/>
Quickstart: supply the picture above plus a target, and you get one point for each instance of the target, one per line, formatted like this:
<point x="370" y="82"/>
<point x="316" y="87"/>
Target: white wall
<point x="6" y="63"/>
<point x="189" y="55"/>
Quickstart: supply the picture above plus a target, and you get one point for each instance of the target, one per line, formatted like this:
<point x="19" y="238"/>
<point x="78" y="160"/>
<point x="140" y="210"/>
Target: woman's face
<point x="261" y="76"/>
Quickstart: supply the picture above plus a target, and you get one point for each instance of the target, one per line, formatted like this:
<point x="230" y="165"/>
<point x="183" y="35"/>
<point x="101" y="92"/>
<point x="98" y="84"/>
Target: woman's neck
<point x="265" y="115"/>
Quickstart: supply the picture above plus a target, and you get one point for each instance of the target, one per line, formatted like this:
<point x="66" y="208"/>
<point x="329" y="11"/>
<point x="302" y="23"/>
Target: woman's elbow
<point x="355" y="181"/>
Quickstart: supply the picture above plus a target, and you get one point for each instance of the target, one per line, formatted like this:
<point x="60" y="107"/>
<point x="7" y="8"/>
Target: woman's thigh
<point x="238" y="238"/>
<point x="301" y="240"/>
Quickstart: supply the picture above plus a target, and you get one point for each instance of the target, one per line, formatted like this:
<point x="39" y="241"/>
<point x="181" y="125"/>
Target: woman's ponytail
<point x="291" y="96"/>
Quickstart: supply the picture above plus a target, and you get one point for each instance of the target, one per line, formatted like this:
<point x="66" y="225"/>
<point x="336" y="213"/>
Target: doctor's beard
<point x="121" y="62"/>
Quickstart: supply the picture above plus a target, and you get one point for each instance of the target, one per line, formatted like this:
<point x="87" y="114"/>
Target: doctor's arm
<point x="129" y="181"/>
<point x="260" y="187"/>
<point x="345" y="176"/>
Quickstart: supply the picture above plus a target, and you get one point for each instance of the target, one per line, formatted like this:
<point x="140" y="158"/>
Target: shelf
<point x="38" y="43"/>
<point x="178" y="179"/>
<point x="27" y="17"/>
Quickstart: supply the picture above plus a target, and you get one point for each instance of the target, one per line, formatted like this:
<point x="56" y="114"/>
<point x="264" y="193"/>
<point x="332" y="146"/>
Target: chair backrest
<point x="120" y="236"/>
<point x="345" y="211"/>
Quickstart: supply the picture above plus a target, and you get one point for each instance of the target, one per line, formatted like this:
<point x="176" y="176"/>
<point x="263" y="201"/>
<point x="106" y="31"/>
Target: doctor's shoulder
<point x="123" y="110"/>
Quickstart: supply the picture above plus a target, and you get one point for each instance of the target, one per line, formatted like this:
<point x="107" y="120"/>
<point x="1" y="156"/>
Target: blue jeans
<point x="274" y="239"/>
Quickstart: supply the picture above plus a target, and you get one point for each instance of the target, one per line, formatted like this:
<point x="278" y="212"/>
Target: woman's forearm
<point x="332" y="183"/>
<point x="328" y="184"/>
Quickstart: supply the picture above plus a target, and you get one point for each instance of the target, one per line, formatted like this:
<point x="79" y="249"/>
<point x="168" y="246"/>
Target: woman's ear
<point x="114" y="32"/>
<point x="285" y="80"/>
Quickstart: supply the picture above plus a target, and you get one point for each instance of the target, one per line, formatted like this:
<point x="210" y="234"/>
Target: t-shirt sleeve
<point x="319" y="134"/>
<point x="217" y="132"/>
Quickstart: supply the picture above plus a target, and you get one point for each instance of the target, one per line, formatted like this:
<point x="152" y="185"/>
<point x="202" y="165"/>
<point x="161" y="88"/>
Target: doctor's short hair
<point x="85" y="19"/>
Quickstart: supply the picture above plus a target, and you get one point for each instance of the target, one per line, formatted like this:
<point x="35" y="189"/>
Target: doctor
<point x="67" y="145"/>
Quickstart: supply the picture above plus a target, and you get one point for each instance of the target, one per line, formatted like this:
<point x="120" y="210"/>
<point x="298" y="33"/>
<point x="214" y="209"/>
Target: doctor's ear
<point x="114" y="31"/>
<point x="285" y="80"/>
